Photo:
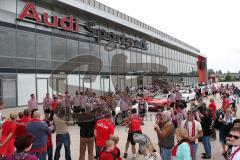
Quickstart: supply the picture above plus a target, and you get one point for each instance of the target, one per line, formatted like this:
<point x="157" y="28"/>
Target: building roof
<point x="99" y="9"/>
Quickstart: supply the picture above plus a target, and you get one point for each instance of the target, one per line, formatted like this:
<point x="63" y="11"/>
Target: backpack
<point x="218" y="124"/>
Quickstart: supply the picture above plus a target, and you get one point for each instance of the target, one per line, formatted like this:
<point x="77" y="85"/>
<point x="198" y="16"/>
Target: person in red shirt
<point x="20" y="116"/>
<point x="21" y="123"/>
<point x="212" y="105"/>
<point x="27" y="117"/>
<point x="49" y="142"/>
<point x="104" y="129"/>
<point x="8" y="136"/>
<point x="55" y="102"/>
<point x="108" y="153"/>
<point x="134" y="122"/>
<point x="225" y="103"/>
<point x="116" y="150"/>
<point x="21" y="128"/>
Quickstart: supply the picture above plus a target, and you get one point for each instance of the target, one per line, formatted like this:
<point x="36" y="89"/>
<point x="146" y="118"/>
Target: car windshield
<point x="184" y="91"/>
<point x="161" y="96"/>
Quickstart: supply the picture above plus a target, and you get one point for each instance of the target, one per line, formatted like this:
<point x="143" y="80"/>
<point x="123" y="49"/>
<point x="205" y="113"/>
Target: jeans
<point x="237" y="98"/>
<point x="194" y="147"/>
<point x="41" y="156"/>
<point x="86" y="143"/>
<point x="60" y="140"/>
<point x="165" y="153"/>
<point x="98" y="150"/>
<point x="50" y="153"/>
<point x="206" y="145"/>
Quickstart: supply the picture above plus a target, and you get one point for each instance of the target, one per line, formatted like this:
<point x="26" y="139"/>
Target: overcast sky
<point x="213" y="26"/>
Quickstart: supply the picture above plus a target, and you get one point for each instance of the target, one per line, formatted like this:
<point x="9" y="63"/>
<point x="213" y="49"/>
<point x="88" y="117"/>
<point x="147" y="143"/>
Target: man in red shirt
<point x="104" y="129"/>
<point x="134" y="123"/>
<point x="225" y="103"/>
<point x="27" y="118"/>
<point x="21" y="123"/>
<point x="212" y="105"/>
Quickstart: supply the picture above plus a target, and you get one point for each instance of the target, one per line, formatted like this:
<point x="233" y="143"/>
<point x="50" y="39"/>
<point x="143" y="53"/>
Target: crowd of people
<point x="27" y="135"/>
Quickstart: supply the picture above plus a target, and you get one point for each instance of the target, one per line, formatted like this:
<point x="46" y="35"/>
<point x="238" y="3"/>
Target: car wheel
<point x="118" y="119"/>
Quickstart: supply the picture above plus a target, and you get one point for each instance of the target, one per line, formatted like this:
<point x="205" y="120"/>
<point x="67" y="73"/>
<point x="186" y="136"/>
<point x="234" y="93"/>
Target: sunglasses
<point x="233" y="136"/>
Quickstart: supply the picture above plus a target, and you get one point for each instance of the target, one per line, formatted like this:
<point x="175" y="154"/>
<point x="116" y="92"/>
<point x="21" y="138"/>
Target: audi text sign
<point x="72" y="24"/>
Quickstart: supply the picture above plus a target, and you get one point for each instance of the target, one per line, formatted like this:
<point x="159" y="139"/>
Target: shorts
<point x="142" y="112"/>
<point x="124" y="114"/>
<point x="47" y="110"/>
<point x="76" y="109"/>
<point x="130" y="137"/>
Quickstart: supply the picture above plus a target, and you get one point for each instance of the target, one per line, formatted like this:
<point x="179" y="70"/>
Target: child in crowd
<point x="108" y="152"/>
<point x="116" y="150"/>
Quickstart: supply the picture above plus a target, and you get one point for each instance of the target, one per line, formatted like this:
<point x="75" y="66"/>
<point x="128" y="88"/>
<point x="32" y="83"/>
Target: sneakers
<point x="206" y="157"/>
<point x="125" y="155"/>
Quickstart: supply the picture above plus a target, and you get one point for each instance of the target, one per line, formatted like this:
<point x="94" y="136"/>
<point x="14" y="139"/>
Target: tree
<point x="228" y="72"/>
<point x="210" y="71"/>
<point x="228" y="78"/>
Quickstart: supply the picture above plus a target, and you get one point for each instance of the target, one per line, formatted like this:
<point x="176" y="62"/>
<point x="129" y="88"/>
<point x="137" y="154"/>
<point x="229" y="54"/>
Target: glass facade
<point x="37" y="59"/>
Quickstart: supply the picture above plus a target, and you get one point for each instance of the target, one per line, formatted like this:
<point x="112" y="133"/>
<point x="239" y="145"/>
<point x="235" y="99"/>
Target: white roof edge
<point x="86" y="7"/>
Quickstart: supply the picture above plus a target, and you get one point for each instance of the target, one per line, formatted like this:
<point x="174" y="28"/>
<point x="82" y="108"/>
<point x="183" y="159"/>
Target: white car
<point x="188" y="95"/>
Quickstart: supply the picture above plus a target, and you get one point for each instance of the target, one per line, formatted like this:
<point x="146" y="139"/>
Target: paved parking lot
<point x="122" y="133"/>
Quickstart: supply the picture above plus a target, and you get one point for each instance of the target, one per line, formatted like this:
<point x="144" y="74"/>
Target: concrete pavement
<point x="122" y="133"/>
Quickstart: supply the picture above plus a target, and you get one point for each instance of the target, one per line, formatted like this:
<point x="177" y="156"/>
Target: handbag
<point x="216" y="123"/>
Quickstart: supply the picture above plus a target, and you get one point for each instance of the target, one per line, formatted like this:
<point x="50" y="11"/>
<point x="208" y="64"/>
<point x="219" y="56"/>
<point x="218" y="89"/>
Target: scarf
<point x="193" y="128"/>
<point x="231" y="156"/>
<point x="21" y="155"/>
<point x="174" y="150"/>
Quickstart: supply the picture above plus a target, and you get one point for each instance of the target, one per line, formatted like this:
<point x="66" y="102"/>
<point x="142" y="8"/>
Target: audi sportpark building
<point x="67" y="45"/>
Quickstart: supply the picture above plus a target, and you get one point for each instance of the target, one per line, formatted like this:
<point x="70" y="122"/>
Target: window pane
<point x="25" y="44"/>
<point x="59" y="48"/>
<point x="7" y="42"/>
<point x="26" y="86"/>
<point x="72" y="49"/>
<point x="43" y="47"/>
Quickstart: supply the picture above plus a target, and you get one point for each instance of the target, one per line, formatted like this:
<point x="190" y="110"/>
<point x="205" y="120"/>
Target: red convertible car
<point x="158" y="102"/>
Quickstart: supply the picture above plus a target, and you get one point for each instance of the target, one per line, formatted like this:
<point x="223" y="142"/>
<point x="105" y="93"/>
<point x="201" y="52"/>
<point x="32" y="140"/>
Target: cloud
<point x="211" y="26"/>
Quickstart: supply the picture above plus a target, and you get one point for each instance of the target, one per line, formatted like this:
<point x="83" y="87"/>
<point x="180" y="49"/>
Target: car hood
<point x="157" y="101"/>
<point x="185" y="95"/>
